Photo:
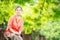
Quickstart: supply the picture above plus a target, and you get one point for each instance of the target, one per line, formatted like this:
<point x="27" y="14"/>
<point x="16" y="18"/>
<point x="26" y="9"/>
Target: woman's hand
<point x="17" y="34"/>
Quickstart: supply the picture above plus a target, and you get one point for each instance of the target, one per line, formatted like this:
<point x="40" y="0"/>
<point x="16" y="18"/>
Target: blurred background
<point x="41" y="17"/>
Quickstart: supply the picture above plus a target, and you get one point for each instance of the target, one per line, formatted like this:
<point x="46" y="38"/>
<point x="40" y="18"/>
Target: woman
<point x="15" y="25"/>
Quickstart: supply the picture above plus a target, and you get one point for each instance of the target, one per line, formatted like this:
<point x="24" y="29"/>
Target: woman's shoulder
<point x="12" y="17"/>
<point x="21" y="18"/>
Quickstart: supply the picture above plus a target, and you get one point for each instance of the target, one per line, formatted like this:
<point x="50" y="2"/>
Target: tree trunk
<point x="41" y="37"/>
<point x="2" y="34"/>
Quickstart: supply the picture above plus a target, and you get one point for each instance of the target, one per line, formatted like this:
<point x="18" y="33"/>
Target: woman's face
<point x="18" y="11"/>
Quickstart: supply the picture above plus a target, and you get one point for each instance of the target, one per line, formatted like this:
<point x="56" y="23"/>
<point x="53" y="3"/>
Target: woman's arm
<point x="21" y="26"/>
<point x="13" y="31"/>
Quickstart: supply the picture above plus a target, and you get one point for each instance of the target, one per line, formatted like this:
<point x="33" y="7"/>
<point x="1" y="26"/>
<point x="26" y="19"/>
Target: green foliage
<point x="37" y="14"/>
<point x="57" y="12"/>
<point x="22" y="2"/>
<point x="51" y="29"/>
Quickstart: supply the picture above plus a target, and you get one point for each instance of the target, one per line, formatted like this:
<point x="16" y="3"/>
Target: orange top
<point x="15" y="24"/>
